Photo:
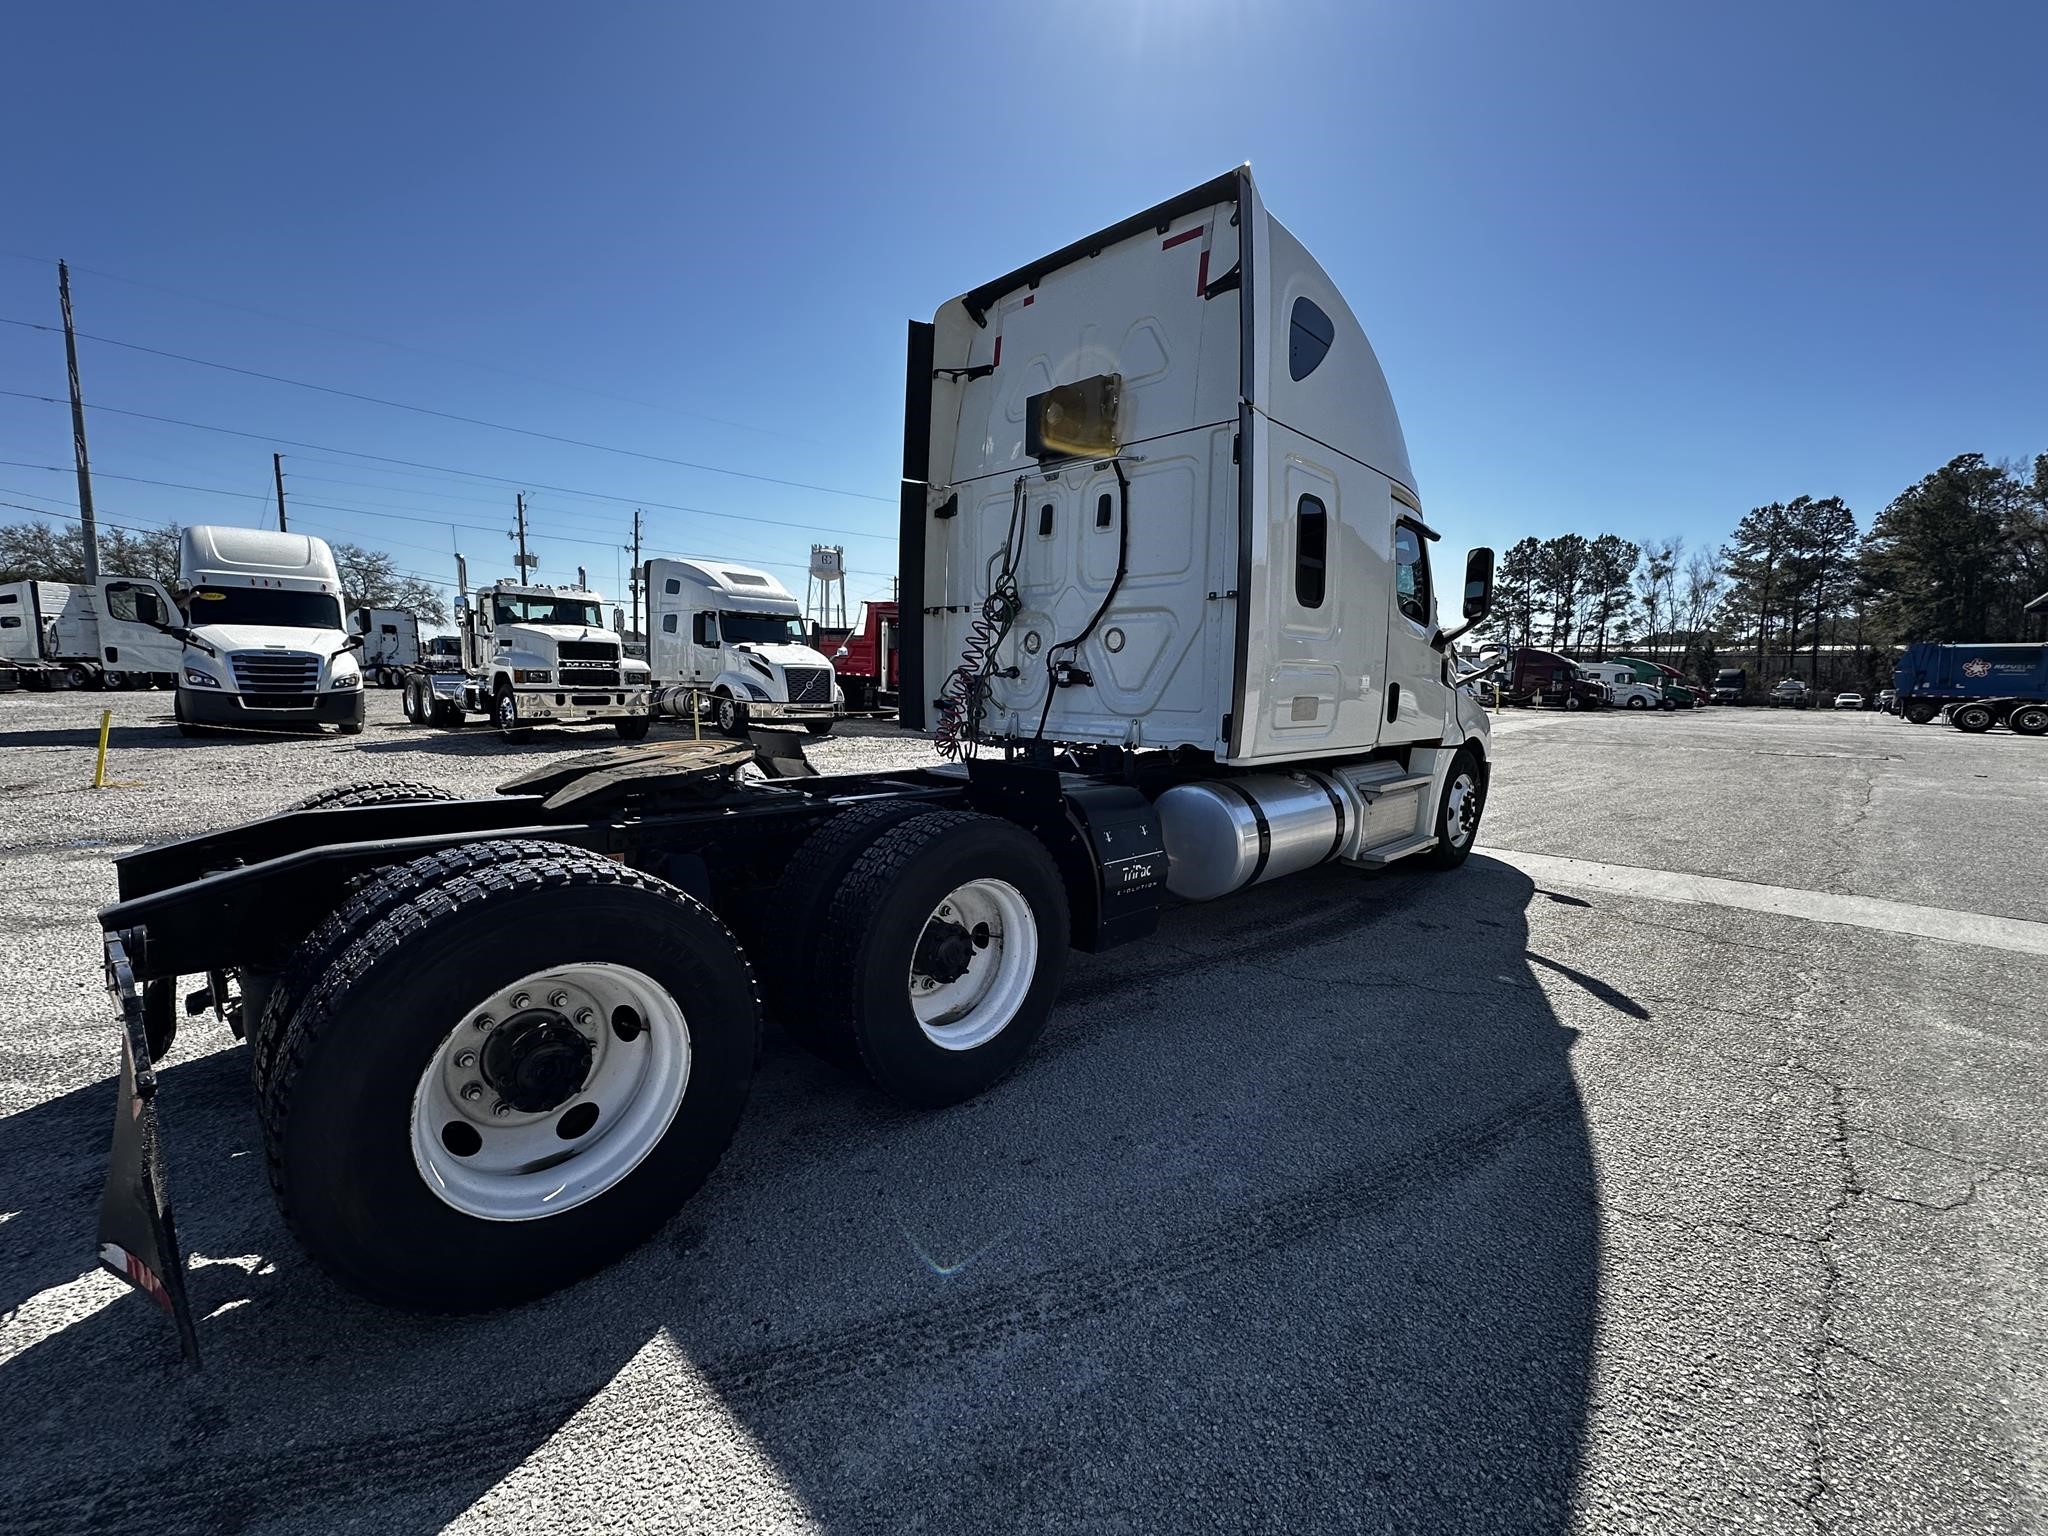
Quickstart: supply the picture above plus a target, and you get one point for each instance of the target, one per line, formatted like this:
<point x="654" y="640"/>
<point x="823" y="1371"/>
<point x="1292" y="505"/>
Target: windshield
<point x="761" y="629"/>
<point x="264" y="605"/>
<point x="546" y="609"/>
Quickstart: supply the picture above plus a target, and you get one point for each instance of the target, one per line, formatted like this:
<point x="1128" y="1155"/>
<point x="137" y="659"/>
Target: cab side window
<point x="1311" y="551"/>
<point x="1411" y="575"/>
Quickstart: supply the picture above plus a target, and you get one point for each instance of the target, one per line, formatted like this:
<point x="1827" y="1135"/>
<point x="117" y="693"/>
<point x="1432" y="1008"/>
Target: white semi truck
<point x="736" y="635"/>
<point x="265" y="644"/>
<point x="391" y="644"/>
<point x="1169" y="609"/>
<point x="58" y="634"/>
<point x="534" y="655"/>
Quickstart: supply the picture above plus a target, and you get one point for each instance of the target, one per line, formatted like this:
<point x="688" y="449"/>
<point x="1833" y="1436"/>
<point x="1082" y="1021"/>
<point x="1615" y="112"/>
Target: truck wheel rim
<point x="575" y="1137"/>
<point x="728" y="715"/>
<point x="964" y="995"/>
<point x="1461" y="810"/>
<point x="508" y="710"/>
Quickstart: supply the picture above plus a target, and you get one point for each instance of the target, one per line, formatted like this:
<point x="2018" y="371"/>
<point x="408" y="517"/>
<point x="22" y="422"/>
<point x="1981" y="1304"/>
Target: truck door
<point x="1418" y="696"/>
<point x="129" y="641"/>
<point x="707" y="652"/>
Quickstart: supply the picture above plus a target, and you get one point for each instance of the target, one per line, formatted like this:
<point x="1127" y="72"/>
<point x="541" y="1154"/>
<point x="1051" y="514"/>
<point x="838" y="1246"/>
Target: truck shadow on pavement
<point x="1289" y="1222"/>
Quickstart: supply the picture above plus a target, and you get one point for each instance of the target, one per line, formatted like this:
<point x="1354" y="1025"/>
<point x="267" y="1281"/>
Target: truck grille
<point x="809" y="685"/>
<point x="278" y="679"/>
<point x="588" y="663"/>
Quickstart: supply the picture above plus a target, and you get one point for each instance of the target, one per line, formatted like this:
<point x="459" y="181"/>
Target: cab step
<point x="1388" y="853"/>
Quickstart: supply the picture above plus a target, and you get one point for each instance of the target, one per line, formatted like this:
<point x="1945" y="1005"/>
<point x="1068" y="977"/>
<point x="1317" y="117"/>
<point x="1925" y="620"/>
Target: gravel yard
<point x="1675" y="1165"/>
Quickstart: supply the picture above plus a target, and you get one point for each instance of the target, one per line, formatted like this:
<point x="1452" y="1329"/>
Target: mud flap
<point x="780" y="753"/>
<point x="138" y="1239"/>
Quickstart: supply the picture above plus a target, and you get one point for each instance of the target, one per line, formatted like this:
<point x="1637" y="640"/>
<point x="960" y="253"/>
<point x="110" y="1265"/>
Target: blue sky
<point x="1628" y="266"/>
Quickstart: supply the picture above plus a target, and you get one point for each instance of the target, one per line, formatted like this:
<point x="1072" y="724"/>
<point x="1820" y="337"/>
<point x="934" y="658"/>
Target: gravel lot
<point x="1653" y="1172"/>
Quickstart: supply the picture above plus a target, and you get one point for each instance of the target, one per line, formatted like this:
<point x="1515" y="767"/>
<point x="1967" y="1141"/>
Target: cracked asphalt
<point x="1486" y="1201"/>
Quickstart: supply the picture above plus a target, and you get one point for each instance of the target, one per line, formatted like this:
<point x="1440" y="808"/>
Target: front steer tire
<point x="873" y="930"/>
<point x="337" y="1112"/>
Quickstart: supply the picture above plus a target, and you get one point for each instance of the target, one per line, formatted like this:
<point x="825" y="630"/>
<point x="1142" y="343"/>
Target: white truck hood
<point x="227" y="638"/>
<point x="785" y="655"/>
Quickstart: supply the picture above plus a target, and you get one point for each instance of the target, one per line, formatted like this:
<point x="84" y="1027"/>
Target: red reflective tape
<point x="1202" y="277"/>
<point x="997" y="362"/>
<point x="1029" y="300"/>
<point x="1182" y="238"/>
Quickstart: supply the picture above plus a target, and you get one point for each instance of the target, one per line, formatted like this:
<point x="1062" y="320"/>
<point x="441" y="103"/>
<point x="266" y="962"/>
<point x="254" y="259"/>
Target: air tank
<point x="1222" y="835"/>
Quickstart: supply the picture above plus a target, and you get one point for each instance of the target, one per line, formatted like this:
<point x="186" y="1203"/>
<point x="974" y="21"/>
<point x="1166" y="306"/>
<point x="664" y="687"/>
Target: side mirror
<point x="352" y="643"/>
<point x="1478" y="585"/>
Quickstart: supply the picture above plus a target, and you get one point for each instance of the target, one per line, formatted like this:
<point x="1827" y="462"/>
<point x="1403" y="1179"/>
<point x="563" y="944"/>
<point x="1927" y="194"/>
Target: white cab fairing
<point x="1266" y="470"/>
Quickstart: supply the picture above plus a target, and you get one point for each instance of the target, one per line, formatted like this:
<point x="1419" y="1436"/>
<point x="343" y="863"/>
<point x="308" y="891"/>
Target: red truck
<point x="865" y="656"/>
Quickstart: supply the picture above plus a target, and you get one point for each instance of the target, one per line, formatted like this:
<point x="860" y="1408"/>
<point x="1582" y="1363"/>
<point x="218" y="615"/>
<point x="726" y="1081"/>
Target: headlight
<point x="759" y="693"/>
<point x="194" y="678"/>
<point x="532" y="675"/>
<point x="346" y="680"/>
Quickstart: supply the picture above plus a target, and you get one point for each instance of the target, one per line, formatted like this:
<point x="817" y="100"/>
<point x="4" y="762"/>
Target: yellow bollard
<point x="696" y="723"/>
<point x="99" y="772"/>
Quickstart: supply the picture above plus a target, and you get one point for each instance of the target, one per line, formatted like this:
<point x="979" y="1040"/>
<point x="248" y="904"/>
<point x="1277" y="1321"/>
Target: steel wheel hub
<point x="1461" y="810"/>
<point x="973" y="964"/>
<point x="550" y="1091"/>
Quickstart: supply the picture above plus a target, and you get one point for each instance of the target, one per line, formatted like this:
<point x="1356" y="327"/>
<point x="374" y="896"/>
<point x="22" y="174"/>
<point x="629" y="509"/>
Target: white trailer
<point x="1164" y="563"/>
<point x="56" y="634"/>
<point x="737" y="636"/>
<point x="391" y="644"/>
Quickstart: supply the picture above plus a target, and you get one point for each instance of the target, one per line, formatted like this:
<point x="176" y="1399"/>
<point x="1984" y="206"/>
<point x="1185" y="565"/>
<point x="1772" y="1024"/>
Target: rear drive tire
<point x="1458" y="811"/>
<point x="792" y="989"/>
<point x="634" y="729"/>
<point x="1973" y="718"/>
<point x="2029" y="719"/>
<point x="818" y="727"/>
<point x="415" y="704"/>
<point x="368" y="1101"/>
<point x="941" y="954"/>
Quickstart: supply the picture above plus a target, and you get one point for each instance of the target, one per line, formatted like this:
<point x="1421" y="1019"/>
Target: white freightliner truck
<point x="534" y="655"/>
<point x="265" y="643"/>
<point x="1169" y="608"/>
<point x="391" y="644"/>
<point x="737" y="636"/>
<point x="59" y="634"/>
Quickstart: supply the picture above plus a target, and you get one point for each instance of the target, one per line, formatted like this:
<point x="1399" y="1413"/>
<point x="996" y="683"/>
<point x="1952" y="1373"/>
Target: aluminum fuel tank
<point x="1225" y="834"/>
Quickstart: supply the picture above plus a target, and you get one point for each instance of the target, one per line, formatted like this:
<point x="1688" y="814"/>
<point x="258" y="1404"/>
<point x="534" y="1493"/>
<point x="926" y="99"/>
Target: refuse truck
<point x="1170" y="616"/>
<point x="1979" y="685"/>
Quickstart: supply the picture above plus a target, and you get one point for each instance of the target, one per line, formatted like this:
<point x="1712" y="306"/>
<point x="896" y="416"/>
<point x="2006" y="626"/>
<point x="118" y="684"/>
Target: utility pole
<point x="526" y="561"/>
<point x="633" y="579"/>
<point x="277" y="474"/>
<point x="88" y="524"/>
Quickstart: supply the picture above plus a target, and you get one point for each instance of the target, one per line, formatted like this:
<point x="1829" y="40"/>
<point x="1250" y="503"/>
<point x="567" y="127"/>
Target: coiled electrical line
<point x="964" y="696"/>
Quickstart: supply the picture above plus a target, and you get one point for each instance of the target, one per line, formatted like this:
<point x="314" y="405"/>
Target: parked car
<point x="1792" y="692"/>
<point x="1848" y="701"/>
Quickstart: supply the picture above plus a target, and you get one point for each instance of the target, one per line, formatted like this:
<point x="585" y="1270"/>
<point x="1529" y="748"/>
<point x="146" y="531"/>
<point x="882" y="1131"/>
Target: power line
<point x="418" y="351"/>
<point x="565" y="490"/>
<point x="469" y="421"/>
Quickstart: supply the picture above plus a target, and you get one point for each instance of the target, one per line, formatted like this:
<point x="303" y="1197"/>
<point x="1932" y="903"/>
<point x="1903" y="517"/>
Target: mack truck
<point x="1171" y="620"/>
<point x="533" y="655"/>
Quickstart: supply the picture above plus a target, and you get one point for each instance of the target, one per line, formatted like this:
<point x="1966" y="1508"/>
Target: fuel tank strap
<point x="1337" y="805"/>
<point x="1258" y="820"/>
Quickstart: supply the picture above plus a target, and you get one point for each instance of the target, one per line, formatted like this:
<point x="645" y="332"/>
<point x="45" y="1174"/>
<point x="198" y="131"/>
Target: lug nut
<point x="501" y="1109"/>
<point x="521" y="999"/>
<point x="586" y="1017"/>
<point x="472" y="1091"/>
<point x="486" y="1022"/>
<point x="465" y="1059"/>
<point x="558" y="999"/>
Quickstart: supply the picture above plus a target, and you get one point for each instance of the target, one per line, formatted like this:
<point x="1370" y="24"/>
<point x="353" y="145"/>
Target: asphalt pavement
<point x="1676" y="1165"/>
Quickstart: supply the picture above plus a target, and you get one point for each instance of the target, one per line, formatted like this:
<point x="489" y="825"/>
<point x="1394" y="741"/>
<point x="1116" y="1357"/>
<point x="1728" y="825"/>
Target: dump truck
<point x="1172" y="623"/>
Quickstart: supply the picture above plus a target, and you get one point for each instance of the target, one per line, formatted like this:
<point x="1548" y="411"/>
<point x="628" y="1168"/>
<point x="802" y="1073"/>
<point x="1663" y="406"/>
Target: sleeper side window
<point x="668" y="623"/>
<point x="1311" y="551"/>
<point x="1309" y="334"/>
<point x="1411" y="574"/>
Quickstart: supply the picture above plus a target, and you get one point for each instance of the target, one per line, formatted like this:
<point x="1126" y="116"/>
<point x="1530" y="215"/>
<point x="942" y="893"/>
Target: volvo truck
<point x="533" y="655"/>
<point x="735" y="635"/>
<point x="1174" y="623"/>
